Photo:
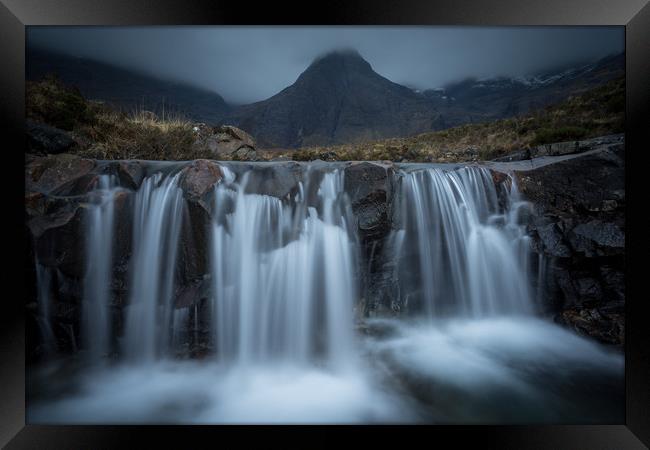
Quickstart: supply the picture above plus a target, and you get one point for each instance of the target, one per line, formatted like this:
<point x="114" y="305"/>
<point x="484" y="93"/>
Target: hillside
<point x="125" y="89"/>
<point x="98" y="131"/>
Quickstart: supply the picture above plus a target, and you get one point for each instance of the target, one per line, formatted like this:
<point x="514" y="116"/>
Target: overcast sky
<point x="246" y="64"/>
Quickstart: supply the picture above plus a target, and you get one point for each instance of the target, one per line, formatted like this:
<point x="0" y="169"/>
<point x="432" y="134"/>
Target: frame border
<point x="16" y="14"/>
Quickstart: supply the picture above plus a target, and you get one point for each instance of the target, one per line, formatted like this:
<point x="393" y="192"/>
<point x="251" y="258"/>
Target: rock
<point x="604" y="327"/>
<point x="552" y="240"/>
<point x="57" y="239"/>
<point x="192" y="293"/>
<point x="597" y="238"/>
<point x="62" y="174"/>
<point x="199" y="177"/>
<point x="44" y="139"/>
<point x="245" y="153"/>
<point x="370" y="187"/>
<point x="226" y="140"/>
<point x="517" y="155"/>
<point x="580" y="225"/>
<point x="276" y="180"/>
<point x="131" y="173"/>
<point x="556" y="149"/>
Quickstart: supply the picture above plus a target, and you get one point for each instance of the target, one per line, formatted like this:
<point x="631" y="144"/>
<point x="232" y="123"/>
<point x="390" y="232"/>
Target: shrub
<point x="51" y="102"/>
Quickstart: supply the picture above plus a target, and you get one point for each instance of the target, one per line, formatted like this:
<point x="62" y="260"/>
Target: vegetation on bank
<point x="102" y="132"/>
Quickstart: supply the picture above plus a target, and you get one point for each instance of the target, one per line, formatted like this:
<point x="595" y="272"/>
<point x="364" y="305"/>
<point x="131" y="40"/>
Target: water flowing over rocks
<point x="575" y="235"/>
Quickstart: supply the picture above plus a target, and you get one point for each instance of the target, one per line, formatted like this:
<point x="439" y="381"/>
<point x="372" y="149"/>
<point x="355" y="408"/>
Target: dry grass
<point x="105" y="133"/>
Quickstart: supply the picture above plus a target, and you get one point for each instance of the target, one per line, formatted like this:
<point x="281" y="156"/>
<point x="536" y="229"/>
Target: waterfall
<point x="460" y="252"/>
<point x="158" y="209"/>
<point x="283" y="284"/>
<point x="44" y="299"/>
<point x="96" y="323"/>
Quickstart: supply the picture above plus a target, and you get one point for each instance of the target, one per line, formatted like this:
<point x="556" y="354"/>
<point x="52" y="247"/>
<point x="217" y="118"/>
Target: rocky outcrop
<point x="371" y="188"/>
<point x="59" y="174"/>
<point x="44" y="139"/>
<point x="226" y="141"/>
<point x="580" y="230"/>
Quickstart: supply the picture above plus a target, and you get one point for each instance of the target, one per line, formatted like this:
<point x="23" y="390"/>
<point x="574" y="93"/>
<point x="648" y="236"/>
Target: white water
<point x="283" y="286"/>
<point x="96" y="321"/>
<point x="283" y="294"/>
<point x="158" y="214"/>
<point x="472" y="258"/>
<point x="44" y="288"/>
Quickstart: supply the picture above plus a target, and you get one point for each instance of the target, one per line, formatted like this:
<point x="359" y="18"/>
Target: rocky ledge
<point x="579" y="229"/>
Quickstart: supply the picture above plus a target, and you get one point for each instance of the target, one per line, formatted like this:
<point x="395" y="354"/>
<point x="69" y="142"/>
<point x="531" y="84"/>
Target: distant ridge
<point x="127" y="89"/>
<point x="338" y="99"/>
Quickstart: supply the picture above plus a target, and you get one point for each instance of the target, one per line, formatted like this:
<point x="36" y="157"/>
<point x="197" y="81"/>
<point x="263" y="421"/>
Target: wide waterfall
<point x="460" y="251"/>
<point x="238" y="296"/>
<point x="283" y="274"/>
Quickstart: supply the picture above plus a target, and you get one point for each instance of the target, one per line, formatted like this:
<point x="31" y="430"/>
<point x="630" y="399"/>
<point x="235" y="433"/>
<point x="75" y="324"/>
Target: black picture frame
<point x="15" y="15"/>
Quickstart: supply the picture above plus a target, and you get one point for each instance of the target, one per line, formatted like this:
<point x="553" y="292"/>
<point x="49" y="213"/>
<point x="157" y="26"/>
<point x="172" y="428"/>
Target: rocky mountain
<point x="338" y="99"/>
<point x="126" y="89"/>
<point x="472" y="100"/>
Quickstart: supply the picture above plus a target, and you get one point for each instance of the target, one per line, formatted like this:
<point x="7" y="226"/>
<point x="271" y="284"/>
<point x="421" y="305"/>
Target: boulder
<point x="277" y="180"/>
<point x="226" y="140"/>
<point x="131" y="173"/>
<point x="62" y="174"/>
<point x="199" y="177"/>
<point x="370" y="188"/>
<point x="44" y="139"/>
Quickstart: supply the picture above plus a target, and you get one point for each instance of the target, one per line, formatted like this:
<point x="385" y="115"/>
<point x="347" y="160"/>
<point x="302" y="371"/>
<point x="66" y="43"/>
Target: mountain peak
<point x="347" y="57"/>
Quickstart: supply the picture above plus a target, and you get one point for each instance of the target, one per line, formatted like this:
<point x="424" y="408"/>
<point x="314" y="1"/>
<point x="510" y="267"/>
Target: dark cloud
<point x="246" y="64"/>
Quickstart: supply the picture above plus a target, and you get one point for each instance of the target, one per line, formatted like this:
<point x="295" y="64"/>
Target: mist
<point x="251" y="63"/>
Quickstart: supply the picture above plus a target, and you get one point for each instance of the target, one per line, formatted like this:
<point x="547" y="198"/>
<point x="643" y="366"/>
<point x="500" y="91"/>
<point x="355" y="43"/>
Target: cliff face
<point x="579" y="229"/>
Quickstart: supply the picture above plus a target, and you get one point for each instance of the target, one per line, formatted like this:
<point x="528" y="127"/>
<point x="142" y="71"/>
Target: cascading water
<point x="461" y="254"/>
<point x="44" y="288"/>
<point x="283" y="286"/>
<point x="158" y="212"/>
<point x="96" y="321"/>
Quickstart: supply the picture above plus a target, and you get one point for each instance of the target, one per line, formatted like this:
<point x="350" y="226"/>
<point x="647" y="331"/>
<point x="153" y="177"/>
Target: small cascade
<point x="158" y="212"/>
<point x="96" y="323"/>
<point x="282" y="272"/>
<point x="44" y="293"/>
<point x="462" y="254"/>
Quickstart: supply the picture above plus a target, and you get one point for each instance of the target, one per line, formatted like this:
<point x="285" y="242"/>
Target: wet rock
<point x="370" y="188"/>
<point x="58" y="239"/>
<point x="276" y="180"/>
<point x="131" y="173"/>
<point x="597" y="238"/>
<point x="199" y="177"/>
<point x="605" y="327"/>
<point x="62" y="174"/>
<point x="552" y="240"/>
<point x="580" y="226"/>
<point x="44" y="139"/>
